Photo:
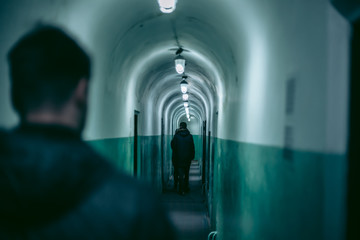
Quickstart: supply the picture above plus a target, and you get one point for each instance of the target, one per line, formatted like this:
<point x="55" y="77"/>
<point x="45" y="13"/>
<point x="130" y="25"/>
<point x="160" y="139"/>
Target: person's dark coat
<point x="54" y="186"/>
<point x="183" y="148"/>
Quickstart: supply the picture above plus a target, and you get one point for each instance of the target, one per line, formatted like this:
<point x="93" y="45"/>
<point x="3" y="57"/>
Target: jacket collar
<point x="48" y="130"/>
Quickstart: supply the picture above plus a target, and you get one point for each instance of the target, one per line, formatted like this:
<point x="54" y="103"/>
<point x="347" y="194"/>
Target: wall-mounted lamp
<point x="180" y="64"/>
<point x="185" y="97"/>
<point x="184" y="85"/>
<point x="167" y="6"/>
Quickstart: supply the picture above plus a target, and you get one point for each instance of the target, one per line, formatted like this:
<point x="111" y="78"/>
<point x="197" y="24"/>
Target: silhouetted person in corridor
<point x="183" y="151"/>
<point x="52" y="184"/>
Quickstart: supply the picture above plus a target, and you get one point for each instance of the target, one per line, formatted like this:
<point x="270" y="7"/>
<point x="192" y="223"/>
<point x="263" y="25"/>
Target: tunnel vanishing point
<point x="272" y="102"/>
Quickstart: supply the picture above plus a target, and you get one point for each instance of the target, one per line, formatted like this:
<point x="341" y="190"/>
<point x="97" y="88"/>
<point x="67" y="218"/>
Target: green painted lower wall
<point x="254" y="192"/>
<point x="258" y="194"/>
<point x="198" y="146"/>
<point x="154" y="166"/>
<point x="151" y="162"/>
<point x="168" y="171"/>
<point x="118" y="150"/>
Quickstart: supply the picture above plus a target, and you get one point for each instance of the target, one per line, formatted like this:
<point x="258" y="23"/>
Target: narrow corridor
<point x="188" y="213"/>
<point x="268" y="89"/>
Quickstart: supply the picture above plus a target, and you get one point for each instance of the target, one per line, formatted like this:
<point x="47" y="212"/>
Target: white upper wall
<point x="292" y="40"/>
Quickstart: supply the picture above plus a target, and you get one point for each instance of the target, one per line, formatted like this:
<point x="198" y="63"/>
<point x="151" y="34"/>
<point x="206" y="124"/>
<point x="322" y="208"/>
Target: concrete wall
<point x="260" y="194"/>
<point x="280" y="163"/>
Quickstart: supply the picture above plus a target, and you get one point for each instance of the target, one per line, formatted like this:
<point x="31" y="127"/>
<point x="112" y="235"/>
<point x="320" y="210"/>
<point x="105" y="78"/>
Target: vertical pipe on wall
<point x="162" y="154"/>
<point x="204" y="153"/>
<point x="136" y="113"/>
<point x="353" y="211"/>
<point x="208" y="162"/>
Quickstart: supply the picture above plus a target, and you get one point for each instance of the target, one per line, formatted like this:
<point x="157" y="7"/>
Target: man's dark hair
<point x="183" y="125"/>
<point x="45" y="67"/>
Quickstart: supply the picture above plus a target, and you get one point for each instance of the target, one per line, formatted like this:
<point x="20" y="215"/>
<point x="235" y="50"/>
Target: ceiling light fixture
<point x="187" y="111"/>
<point x="184" y="85"/>
<point x="180" y="64"/>
<point x="185" y="97"/>
<point x="186" y="103"/>
<point x="167" y="6"/>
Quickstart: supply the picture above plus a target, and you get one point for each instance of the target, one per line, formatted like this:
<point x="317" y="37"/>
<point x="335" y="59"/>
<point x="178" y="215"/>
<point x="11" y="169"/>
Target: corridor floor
<point x="188" y="213"/>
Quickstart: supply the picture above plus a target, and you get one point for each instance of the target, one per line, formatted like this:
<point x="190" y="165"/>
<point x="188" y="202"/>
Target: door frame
<point x="136" y="142"/>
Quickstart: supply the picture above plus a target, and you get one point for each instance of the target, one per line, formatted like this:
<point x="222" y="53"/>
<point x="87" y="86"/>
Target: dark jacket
<point x="54" y="186"/>
<point x="183" y="149"/>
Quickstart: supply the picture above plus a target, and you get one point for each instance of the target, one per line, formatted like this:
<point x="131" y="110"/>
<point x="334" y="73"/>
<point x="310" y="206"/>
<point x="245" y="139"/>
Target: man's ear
<point x="81" y="91"/>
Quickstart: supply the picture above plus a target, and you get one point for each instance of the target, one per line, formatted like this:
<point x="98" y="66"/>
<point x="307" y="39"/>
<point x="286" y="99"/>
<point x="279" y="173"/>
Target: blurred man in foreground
<point x="52" y="185"/>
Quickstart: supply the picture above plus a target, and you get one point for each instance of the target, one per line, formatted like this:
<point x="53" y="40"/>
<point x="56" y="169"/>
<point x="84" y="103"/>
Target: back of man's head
<point x="45" y="67"/>
<point x="183" y="125"/>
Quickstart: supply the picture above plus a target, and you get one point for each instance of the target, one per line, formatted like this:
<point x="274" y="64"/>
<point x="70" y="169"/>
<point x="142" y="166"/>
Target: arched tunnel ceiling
<point x="239" y="55"/>
<point x="133" y="46"/>
<point x="144" y="50"/>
